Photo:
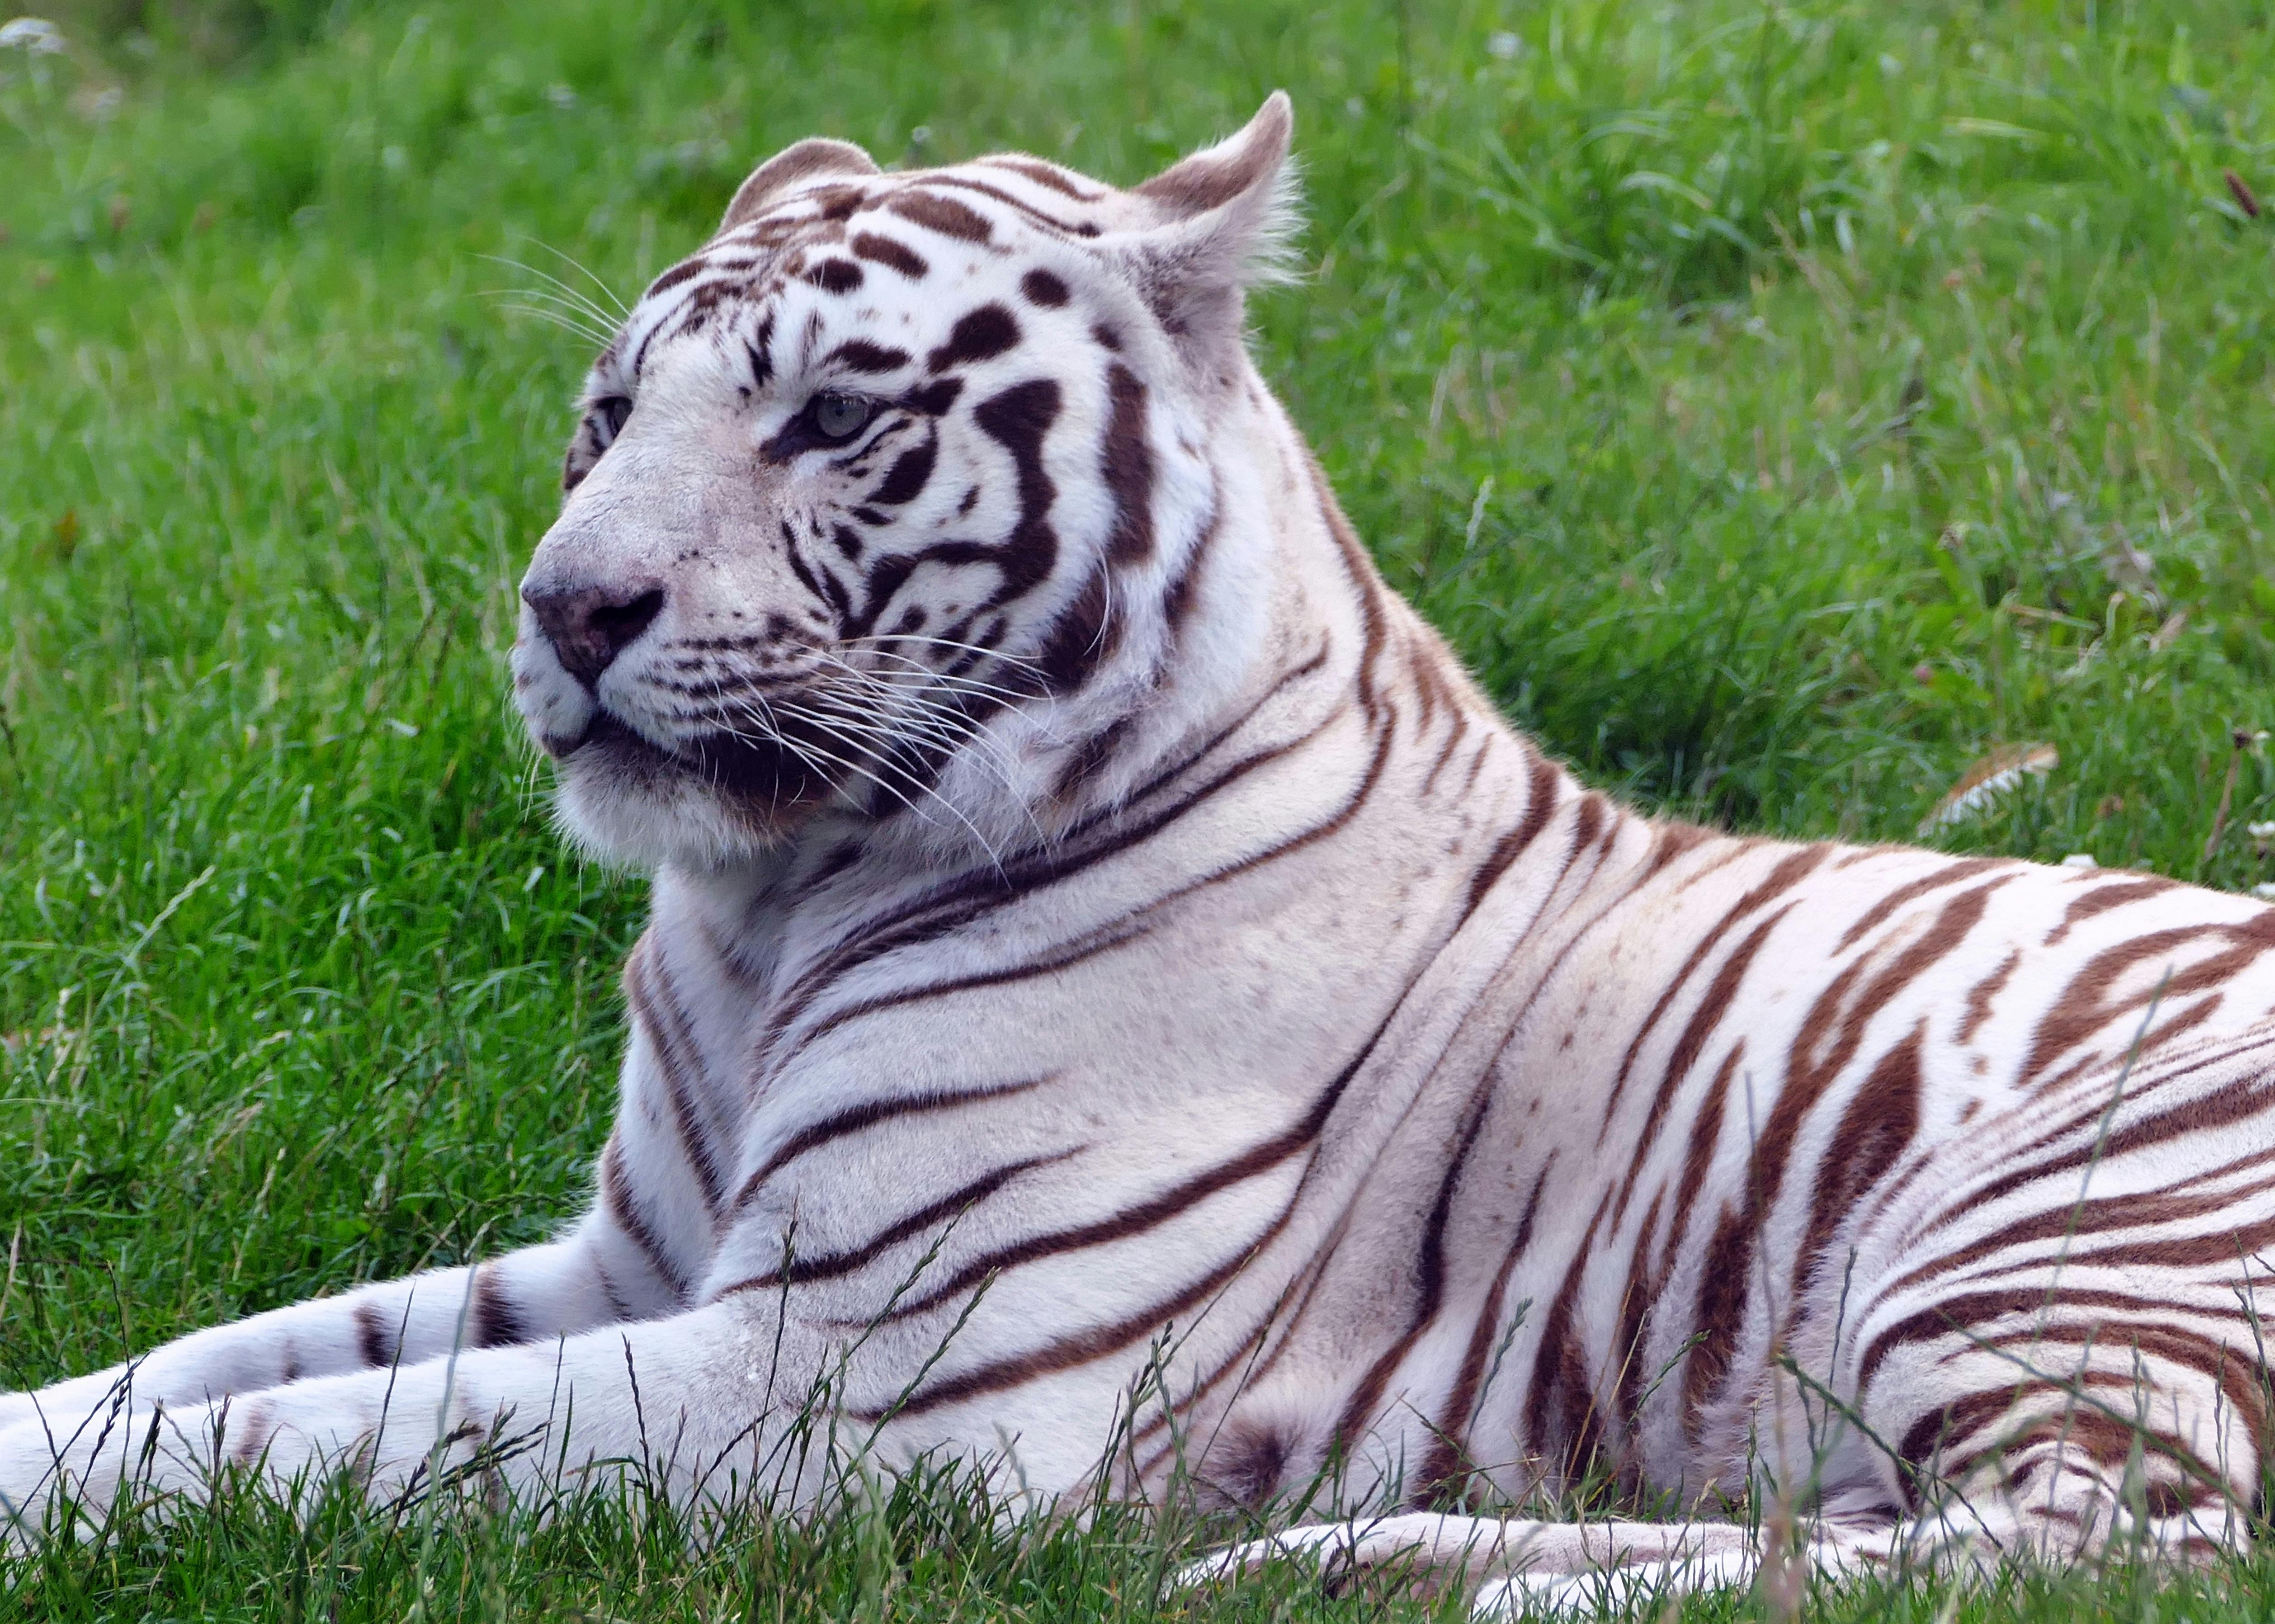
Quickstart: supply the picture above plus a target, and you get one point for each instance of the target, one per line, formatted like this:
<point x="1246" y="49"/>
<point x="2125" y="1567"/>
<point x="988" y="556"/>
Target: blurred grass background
<point x="1781" y="405"/>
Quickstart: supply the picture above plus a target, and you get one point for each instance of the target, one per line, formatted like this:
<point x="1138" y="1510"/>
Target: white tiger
<point x="1100" y="935"/>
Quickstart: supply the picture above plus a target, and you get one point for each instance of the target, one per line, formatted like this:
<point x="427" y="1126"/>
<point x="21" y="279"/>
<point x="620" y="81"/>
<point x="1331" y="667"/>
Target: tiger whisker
<point x="561" y="319"/>
<point x="584" y="270"/>
<point x="581" y="308"/>
<point x="926" y="731"/>
<point x="840" y="719"/>
<point x="894" y="697"/>
<point x="813" y="756"/>
<point x="949" y="729"/>
<point x="803" y="712"/>
<point x="968" y="685"/>
<point x="918" y="637"/>
<point x="947" y="805"/>
<point x="565" y="292"/>
<point x="967" y="735"/>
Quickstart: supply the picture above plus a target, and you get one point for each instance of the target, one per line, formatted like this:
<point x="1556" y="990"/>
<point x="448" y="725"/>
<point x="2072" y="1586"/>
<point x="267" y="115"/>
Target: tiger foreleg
<point x="537" y="1294"/>
<point x="704" y="1403"/>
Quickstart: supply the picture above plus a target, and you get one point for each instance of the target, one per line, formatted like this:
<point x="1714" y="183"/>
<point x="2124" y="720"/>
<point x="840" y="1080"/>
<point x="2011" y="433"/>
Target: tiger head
<point x="891" y="506"/>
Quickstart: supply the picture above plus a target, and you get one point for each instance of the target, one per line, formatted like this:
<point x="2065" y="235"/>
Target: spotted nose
<point x="589" y="626"/>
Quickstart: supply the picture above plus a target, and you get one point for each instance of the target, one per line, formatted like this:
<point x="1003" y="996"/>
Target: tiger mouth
<point x="759" y="771"/>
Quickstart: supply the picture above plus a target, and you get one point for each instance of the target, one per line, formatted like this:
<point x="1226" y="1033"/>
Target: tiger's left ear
<point x="810" y="159"/>
<point x="1225" y="215"/>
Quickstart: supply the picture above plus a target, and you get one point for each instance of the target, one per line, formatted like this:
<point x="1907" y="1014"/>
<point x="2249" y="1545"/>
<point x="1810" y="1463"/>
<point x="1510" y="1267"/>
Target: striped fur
<point x="1108" y="963"/>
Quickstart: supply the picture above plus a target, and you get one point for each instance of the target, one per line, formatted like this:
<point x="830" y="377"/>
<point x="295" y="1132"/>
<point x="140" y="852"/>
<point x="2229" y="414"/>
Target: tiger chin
<point x="1114" y="980"/>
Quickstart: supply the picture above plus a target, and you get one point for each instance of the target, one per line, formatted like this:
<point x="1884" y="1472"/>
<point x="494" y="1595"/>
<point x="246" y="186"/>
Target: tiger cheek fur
<point x="1102" y="944"/>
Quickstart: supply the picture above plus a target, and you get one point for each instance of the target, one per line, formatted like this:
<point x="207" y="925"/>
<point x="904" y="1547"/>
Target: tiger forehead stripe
<point x="981" y="336"/>
<point x="835" y="275"/>
<point x="1048" y="174"/>
<point x="860" y="355"/>
<point x="885" y="251"/>
<point x="1042" y="288"/>
<point x="942" y="215"/>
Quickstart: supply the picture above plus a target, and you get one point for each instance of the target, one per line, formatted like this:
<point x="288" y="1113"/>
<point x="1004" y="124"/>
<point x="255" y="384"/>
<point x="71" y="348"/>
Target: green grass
<point x="1780" y="406"/>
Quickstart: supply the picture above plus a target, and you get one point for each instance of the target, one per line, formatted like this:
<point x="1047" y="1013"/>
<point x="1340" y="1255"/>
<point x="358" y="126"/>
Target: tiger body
<point x="1109" y="966"/>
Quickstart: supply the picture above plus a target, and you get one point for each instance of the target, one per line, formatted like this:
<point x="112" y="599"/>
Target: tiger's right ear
<point x="806" y="160"/>
<point x="1222" y="218"/>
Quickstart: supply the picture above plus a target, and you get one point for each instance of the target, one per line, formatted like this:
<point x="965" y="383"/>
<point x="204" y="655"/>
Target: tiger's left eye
<point x="840" y="417"/>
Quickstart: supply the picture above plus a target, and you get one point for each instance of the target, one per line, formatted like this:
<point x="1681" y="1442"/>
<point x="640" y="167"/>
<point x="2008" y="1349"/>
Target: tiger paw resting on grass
<point x="1103" y="944"/>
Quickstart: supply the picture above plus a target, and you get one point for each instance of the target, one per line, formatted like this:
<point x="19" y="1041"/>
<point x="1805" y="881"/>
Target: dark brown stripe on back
<point x="1790" y="872"/>
<point x="1705" y="1021"/>
<point x="1954" y="874"/>
<point x="1539" y="804"/>
<point x="1980" y="995"/>
<point x="1882" y="1119"/>
<point x="2102" y="898"/>
<point x="2085" y="1005"/>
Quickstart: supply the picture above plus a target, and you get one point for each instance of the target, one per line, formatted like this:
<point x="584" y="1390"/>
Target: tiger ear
<point x="803" y="161"/>
<point x="1226" y="213"/>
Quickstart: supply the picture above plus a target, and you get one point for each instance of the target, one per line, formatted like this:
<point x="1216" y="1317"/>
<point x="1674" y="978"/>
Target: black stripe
<point x="885" y="251"/>
<point x="1540" y="802"/>
<point x="957" y="901"/>
<point x="1036" y="216"/>
<point x="374" y="1337"/>
<point x="618" y="1201"/>
<point x="859" y="355"/>
<point x="1104" y="938"/>
<point x="905" y="479"/>
<point x="1017" y="419"/>
<point x="678" y="1064"/>
<point x="1129" y="470"/>
<point x="854" y="1119"/>
<point x="831" y="1265"/>
<point x="1082" y="638"/>
<point x="496" y="1322"/>
<point x="978" y="336"/>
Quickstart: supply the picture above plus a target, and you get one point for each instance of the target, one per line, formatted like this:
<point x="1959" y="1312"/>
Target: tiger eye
<point x="839" y="417"/>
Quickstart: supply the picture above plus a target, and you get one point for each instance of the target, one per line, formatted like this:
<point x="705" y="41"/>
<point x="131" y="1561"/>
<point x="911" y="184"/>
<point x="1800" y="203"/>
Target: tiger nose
<point x="589" y="626"/>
